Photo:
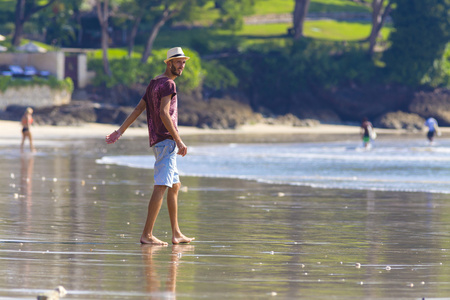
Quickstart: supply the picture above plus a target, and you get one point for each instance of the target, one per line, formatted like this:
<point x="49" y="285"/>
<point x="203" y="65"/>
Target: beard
<point x="174" y="71"/>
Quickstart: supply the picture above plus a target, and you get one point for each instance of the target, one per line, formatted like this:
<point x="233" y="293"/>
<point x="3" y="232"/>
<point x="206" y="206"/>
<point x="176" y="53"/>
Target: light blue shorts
<point x="166" y="171"/>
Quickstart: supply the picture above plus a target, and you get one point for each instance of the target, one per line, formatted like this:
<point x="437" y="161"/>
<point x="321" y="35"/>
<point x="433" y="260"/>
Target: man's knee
<point x="175" y="186"/>
<point x="161" y="189"/>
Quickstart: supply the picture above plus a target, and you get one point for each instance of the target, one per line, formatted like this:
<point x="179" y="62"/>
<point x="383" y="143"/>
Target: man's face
<point x="177" y="66"/>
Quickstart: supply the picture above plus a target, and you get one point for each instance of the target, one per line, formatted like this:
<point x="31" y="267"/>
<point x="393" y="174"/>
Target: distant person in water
<point x="367" y="132"/>
<point x="160" y="101"/>
<point x="27" y="120"/>
<point x="433" y="129"/>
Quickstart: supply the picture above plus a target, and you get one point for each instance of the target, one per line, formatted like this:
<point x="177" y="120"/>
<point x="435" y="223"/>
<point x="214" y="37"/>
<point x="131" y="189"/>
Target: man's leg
<point x="30" y="138"/>
<point x="23" y="142"/>
<point x="153" y="209"/>
<point x="172" y="205"/>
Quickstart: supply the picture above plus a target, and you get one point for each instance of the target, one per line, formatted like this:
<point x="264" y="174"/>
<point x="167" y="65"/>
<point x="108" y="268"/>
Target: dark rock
<point x="352" y="103"/>
<point x="291" y="120"/>
<point x="215" y="113"/>
<point x="400" y="120"/>
<point x="434" y="103"/>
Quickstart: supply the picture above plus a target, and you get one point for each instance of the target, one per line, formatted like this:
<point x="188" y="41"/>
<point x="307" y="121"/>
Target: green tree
<point x="232" y="13"/>
<point x="380" y="11"/>
<point x="59" y="23"/>
<point x="167" y="10"/>
<point x="137" y="11"/>
<point x="25" y="9"/>
<point x="422" y="30"/>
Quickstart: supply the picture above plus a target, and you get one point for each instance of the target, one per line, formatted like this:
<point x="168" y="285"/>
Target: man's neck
<point x="169" y="74"/>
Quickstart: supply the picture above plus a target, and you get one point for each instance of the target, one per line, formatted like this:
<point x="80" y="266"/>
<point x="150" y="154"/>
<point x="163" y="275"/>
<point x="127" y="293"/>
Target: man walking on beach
<point x="433" y="129"/>
<point x="160" y="101"/>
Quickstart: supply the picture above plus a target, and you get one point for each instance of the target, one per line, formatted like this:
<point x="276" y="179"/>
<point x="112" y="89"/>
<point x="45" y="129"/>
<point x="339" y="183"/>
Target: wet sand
<point x="68" y="221"/>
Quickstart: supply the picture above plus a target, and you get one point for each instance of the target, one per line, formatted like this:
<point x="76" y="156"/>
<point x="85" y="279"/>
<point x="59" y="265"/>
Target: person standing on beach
<point x="366" y="132"/>
<point x="160" y="101"/>
<point x="27" y="120"/>
<point x="433" y="129"/>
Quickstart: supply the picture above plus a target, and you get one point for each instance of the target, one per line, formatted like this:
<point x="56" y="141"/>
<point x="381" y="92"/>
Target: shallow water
<point x="409" y="165"/>
<point x="66" y="220"/>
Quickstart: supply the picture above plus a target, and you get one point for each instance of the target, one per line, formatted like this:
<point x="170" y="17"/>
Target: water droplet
<point x="358" y="265"/>
<point x="388" y="268"/>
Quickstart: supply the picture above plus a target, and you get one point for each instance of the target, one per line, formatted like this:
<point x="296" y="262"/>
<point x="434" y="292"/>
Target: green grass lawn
<point x="264" y="7"/>
<point x="340" y="30"/>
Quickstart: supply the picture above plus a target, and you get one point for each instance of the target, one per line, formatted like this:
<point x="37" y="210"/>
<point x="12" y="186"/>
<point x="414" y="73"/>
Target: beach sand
<point x="66" y="220"/>
<point x="10" y="129"/>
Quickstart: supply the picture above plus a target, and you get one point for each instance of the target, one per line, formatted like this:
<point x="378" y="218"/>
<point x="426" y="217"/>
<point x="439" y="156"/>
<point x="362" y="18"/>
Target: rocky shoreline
<point x="387" y="107"/>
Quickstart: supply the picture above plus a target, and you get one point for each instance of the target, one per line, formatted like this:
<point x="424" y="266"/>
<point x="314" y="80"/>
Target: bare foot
<point x="181" y="239"/>
<point x="152" y="241"/>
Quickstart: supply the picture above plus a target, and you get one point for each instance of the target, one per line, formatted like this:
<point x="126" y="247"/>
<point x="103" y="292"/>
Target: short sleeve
<point x="168" y="88"/>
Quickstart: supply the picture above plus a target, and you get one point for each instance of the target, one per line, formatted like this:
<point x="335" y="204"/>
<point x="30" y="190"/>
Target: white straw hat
<point x="176" y="52"/>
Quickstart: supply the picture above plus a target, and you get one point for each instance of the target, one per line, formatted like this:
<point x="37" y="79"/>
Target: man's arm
<point x="164" y="113"/>
<point x="113" y="137"/>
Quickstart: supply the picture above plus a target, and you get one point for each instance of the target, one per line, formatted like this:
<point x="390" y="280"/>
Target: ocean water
<point x="410" y="165"/>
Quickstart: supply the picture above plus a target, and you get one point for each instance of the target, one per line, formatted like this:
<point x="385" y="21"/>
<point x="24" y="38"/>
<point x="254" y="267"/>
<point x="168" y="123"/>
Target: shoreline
<point x="12" y="129"/>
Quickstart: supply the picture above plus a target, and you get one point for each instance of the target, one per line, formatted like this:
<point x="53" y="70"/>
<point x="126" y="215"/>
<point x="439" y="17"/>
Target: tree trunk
<point x="167" y="14"/>
<point x="80" y="28"/>
<point x="300" y="12"/>
<point x="103" y="15"/>
<point x="18" y="22"/>
<point x="133" y="34"/>
<point x="379" y="15"/>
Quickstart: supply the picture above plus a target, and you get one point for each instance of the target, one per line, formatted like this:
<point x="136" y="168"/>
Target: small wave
<point x="410" y="169"/>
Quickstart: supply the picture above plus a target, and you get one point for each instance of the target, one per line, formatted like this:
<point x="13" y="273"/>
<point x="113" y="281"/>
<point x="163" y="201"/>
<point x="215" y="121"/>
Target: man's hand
<point x="113" y="137"/>
<point x="182" y="148"/>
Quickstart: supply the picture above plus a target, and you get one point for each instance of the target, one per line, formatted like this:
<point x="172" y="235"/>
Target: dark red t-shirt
<point x="366" y="125"/>
<point x="156" y="90"/>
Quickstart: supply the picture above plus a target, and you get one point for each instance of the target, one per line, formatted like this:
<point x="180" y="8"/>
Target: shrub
<point x="218" y="77"/>
<point x="128" y="71"/>
<point x="7" y="82"/>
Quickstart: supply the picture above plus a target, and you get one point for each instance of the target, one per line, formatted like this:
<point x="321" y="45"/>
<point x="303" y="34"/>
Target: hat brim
<point x="175" y="57"/>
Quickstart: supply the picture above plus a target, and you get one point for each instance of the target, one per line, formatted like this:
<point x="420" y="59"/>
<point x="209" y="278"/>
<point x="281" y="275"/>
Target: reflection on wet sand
<point x="153" y="277"/>
<point x="26" y="185"/>
<point x="254" y="241"/>
<point x="26" y="176"/>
